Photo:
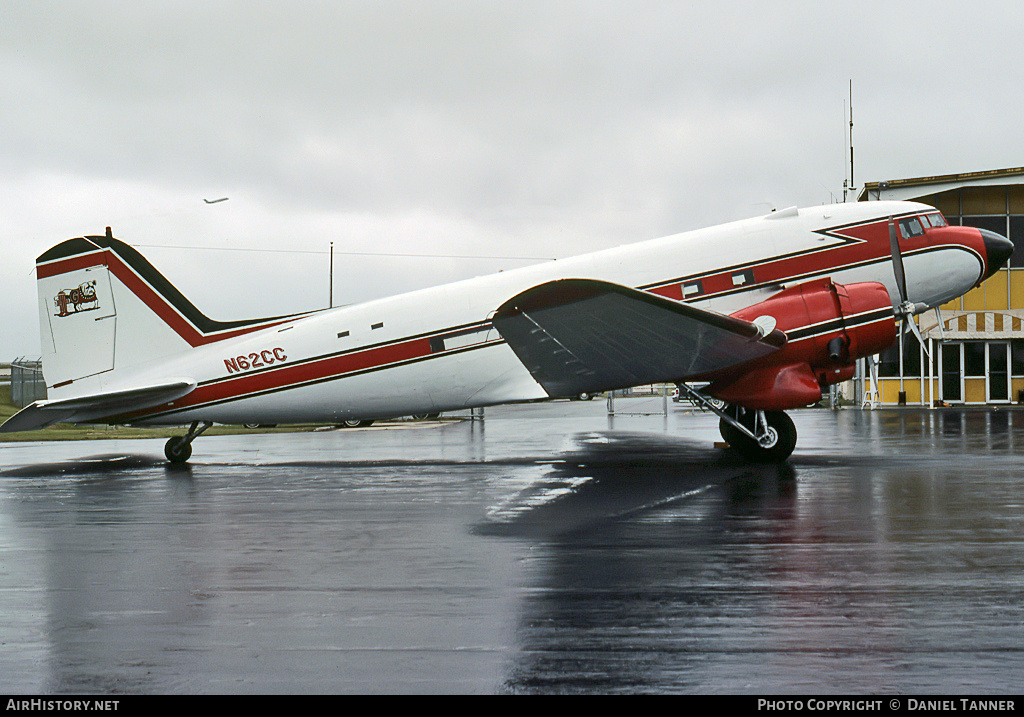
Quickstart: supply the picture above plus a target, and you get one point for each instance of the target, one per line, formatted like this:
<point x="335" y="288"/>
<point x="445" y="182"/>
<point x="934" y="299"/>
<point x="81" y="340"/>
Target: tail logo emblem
<point x="73" y="301"/>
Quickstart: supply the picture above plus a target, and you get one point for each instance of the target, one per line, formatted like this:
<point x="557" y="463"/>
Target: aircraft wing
<point x="90" y="408"/>
<point x="582" y="335"/>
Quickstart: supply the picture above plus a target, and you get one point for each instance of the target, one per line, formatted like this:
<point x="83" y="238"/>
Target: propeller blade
<point x="897" y="261"/>
<point x="938" y="320"/>
<point x="916" y="330"/>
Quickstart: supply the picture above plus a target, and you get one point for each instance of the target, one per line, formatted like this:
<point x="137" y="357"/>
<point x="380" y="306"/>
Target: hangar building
<point x="978" y="351"/>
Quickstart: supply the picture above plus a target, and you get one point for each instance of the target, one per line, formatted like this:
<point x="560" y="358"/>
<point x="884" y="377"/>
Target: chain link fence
<point x="27" y="384"/>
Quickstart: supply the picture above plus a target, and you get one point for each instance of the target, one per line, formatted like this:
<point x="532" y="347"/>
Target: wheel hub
<point x="769" y="438"/>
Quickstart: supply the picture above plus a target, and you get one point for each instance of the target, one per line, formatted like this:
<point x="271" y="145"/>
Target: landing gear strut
<point x="178" y="449"/>
<point x="763" y="436"/>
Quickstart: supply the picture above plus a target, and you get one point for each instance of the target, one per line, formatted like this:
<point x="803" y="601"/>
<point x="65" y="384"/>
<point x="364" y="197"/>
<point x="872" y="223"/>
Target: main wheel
<point x="777" y="445"/>
<point x="355" y="423"/>
<point x="178" y="449"/>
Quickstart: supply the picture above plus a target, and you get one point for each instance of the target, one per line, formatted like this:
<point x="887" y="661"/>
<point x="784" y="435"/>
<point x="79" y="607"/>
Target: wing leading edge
<point x="582" y="335"/>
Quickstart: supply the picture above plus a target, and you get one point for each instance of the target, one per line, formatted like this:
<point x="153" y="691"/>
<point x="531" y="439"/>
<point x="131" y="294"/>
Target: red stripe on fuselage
<point x="862" y="243"/>
<point x="294" y="376"/>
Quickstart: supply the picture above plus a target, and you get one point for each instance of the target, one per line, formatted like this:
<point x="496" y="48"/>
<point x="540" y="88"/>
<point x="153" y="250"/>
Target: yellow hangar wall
<point x="978" y="351"/>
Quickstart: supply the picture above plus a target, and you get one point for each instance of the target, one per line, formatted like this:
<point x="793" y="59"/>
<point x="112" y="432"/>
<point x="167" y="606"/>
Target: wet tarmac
<point x="546" y="548"/>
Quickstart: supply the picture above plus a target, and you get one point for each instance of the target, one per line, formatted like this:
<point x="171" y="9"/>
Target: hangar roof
<point x="918" y="186"/>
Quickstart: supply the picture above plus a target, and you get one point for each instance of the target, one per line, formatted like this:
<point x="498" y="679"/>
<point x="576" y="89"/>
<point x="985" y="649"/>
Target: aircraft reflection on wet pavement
<point x="612" y="476"/>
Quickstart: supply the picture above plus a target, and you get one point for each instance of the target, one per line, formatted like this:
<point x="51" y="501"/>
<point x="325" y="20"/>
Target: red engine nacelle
<point x="828" y="326"/>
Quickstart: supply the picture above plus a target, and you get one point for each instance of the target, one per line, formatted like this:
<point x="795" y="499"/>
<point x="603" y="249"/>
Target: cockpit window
<point x="911" y="227"/>
<point x="935" y="220"/>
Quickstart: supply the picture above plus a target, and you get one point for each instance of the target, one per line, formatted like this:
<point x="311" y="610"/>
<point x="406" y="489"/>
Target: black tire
<point x="356" y="423"/>
<point x="178" y="450"/>
<point x="781" y="428"/>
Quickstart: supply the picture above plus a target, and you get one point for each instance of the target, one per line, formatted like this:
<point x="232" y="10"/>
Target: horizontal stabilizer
<point x="80" y="409"/>
<point x="582" y="335"/>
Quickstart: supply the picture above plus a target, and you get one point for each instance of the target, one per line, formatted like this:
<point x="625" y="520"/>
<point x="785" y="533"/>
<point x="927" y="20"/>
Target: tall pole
<point x="330" y="292"/>
<point x="852" y="186"/>
<point x="931" y="372"/>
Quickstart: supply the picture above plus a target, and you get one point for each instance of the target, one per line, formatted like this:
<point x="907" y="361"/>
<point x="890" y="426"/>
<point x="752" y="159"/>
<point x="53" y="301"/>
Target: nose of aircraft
<point x="997" y="250"/>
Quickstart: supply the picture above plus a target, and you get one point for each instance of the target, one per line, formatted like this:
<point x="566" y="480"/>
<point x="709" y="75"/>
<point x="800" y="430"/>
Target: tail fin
<point x="103" y="306"/>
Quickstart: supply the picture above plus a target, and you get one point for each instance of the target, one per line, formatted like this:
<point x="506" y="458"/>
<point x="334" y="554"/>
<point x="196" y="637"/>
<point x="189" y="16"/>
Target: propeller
<point x="906" y="310"/>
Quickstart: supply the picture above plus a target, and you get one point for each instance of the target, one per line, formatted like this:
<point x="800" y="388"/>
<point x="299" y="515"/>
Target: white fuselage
<point x="434" y="350"/>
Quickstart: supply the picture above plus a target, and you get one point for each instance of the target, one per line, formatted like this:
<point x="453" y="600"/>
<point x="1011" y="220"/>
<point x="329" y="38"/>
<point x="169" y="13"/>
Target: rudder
<point x="77" y="312"/>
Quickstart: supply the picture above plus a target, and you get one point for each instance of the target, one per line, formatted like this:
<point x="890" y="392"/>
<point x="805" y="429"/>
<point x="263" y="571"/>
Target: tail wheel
<point x="178" y="449"/>
<point x="777" y="441"/>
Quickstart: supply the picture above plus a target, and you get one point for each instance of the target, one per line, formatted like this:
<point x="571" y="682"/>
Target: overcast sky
<point x="523" y="129"/>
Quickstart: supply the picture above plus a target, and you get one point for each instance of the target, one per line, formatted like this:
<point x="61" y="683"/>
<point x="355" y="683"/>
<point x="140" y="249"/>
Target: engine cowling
<point x="828" y="326"/>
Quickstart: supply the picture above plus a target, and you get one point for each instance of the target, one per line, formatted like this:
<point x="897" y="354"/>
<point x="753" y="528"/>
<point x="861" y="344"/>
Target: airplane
<point x="761" y="314"/>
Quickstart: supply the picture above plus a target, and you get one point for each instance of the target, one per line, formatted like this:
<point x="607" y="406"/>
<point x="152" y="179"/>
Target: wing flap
<point x="576" y="335"/>
<point x="81" y="409"/>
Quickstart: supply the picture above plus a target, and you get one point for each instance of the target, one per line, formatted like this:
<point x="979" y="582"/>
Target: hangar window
<point x="889" y="362"/>
<point x="901" y="359"/>
<point x="911" y="355"/>
<point x="1017" y="357"/>
<point x="992" y="224"/>
<point x="1016" y="235"/>
<point x="974" y="358"/>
